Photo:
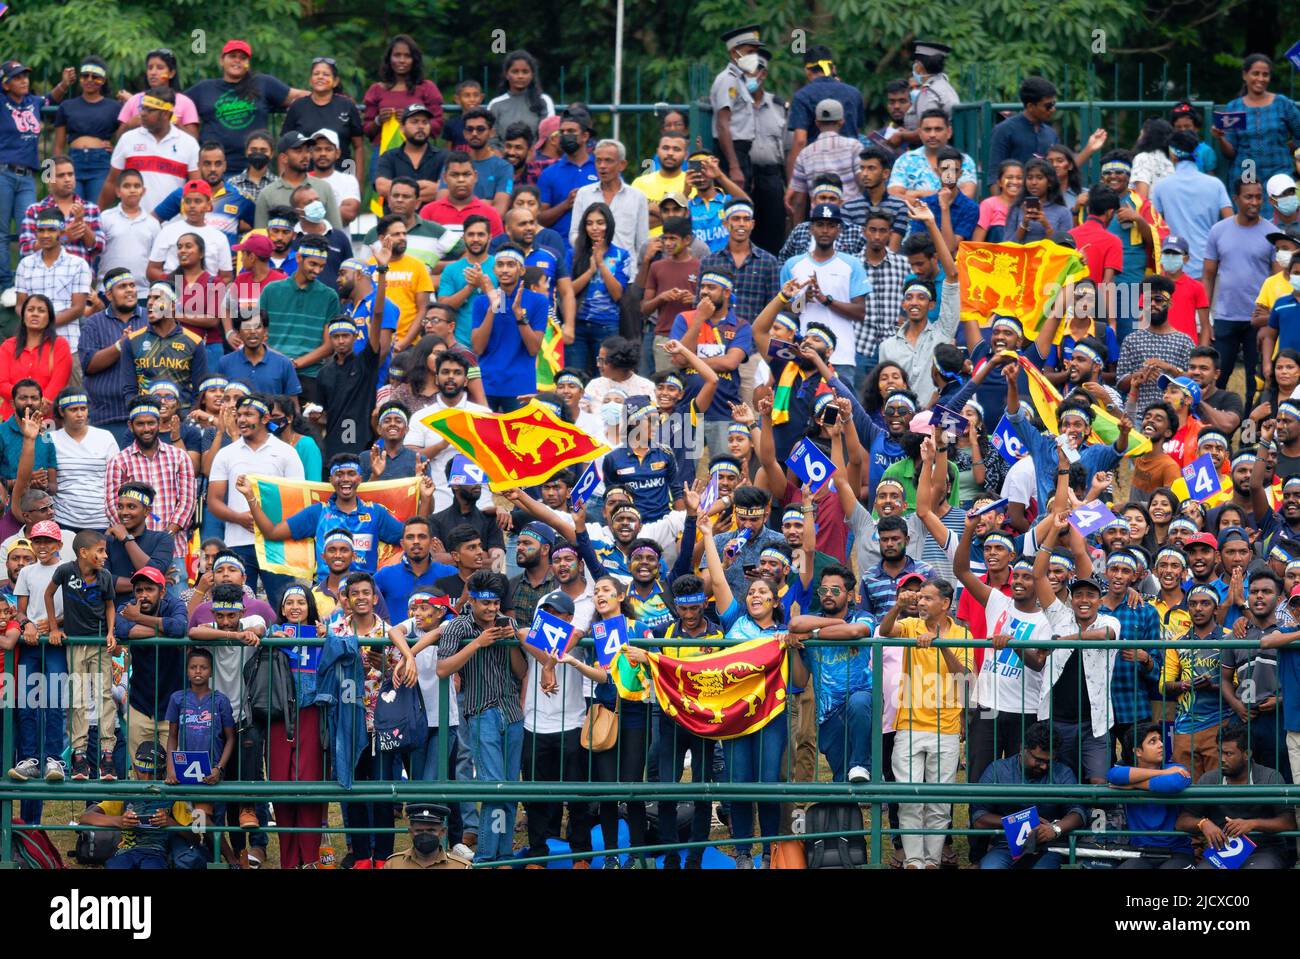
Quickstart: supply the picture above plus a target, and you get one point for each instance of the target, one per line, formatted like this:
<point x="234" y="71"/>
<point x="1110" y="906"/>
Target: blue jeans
<point x="121" y="431"/>
<point x="849" y="723"/>
<point x="1000" y="858"/>
<point x="647" y="365"/>
<point x="17" y="193"/>
<point x="42" y="712"/>
<point x="92" y="170"/>
<point x="581" y="353"/>
<point x="465" y="768"/>
<point x="866" y="362"/>
<point x="137" y="858"/>
<point x="756" y="758"/>
<point x="674" y="743"/>
<point x="273" y="583"/>
<point x="497" y="748"/>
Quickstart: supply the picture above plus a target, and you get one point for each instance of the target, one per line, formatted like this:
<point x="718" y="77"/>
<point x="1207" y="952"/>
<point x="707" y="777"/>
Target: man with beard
<point x="280" y="223"/>
<point x="461" y="282"/>
<point x="533" y="556"/>
<point x="1154" y="348"/>
<point x="1006" y="335"/>
<point x="263" y="369"/>
<point x="156" y="671"/>
<point x="409" y="283"/>
<point x="362" y="295"/>
<point x="1283" y="523"/>
<point x="1192" y="675"/>
<point x="461" y="177"/>
<point x="1083" y="370"/>
<point x="466" y="509"/>
<point x="1220" y="409"/>
<point x="414" y="158"/>
<point x="163" y="350"/>
<point x="880" y="582"/>
<point x="1156" y="468"/>
<point x="416" y="569"/>
<point x="431" y="243"/>
<point x="450" y="373"/>
<point x="100" y="348"/>
<point x="130" y="544"/>
<point x="669" y="178"/>
<point x="523" y="230"/>
<point x="506" y="331"/>
<point x="1235" y="556"/>
<point x="1135" y="681"/>
<point x="1250" y="679"/>
<point x="295" y="152"/>
<point x="840" y="676"/>
<point x="295" y="310"/>
<point x="756" y="272"/>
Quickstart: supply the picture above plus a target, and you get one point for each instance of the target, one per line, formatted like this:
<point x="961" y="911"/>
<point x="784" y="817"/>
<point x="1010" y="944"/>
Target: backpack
<point x="400" y="720"/>
<point x="32" y="849"/>
<point x="270" y="692"/>
<point x="95" y="846"/>
<point x="835" y="852"/>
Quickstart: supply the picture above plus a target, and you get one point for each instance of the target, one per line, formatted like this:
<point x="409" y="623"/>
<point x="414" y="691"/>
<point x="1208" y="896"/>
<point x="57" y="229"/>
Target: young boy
<point x="550" y="361"/>
<point x="427" y="613"/>
<point x="681" y="415"/>
<point x="1152" y="775"/>
<point x="390" y="457"/>
<point x="200" y="719"/>
<point x="469" y="94"/>
<point x="143" y="821"/>
<point x="40" y="727"/>
<point x="88" y="610"/>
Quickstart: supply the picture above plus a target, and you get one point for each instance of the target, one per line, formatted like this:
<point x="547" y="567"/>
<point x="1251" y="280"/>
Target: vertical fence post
<point x="7" y="712"/>
<point x="881" y="810"/>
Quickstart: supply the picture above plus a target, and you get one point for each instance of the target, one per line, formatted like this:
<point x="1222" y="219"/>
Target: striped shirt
<point x="170" y="472"/>
<point x="162" y="164"/>
<point x="83" y="472"/>
<point x="486" y="679"/>
<point x="880" y="590"/>
<point x="297" y="317"/>
<point x="758" y="279"/>
<point x="851" y="241"/>
<point x="88" y="252"/>
<point x="829" y="153"/>
<point x="61" y="281"/>
<point x="1131" y="686"/>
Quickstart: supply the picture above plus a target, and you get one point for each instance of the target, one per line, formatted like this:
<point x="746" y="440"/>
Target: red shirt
<point x="1182" y="447"/>
<point x="442" y="211"/>
<point x="203" y="297"/>
<point x="1189" y="296"/>
<point x="48" y="365"/>
<point x="832" y="532"/>
<point x="242" y="295"/>
<point x="1100" y="249"/>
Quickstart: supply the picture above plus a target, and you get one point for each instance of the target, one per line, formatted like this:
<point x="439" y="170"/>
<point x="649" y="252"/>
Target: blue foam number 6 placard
<point x="810" y="464"/>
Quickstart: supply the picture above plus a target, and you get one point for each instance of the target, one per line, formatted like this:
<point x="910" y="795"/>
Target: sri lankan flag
<point x="390" y="135"/>
<point x="722" y="695"/>
<point x="516" y="449"/>
<point x="550" y="358"/>
<point x="1014" y="279"/>
<point x="1105" y="427"/>
<point x="281" y="498"/>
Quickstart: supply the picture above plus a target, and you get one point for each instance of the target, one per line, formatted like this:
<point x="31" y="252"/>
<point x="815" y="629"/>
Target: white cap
<point x="328" y="135"/>
<point x="1279" y="183"/>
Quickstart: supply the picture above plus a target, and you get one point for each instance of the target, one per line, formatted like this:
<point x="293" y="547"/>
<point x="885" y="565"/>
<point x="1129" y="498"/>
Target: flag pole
<point x="618" y="64"/>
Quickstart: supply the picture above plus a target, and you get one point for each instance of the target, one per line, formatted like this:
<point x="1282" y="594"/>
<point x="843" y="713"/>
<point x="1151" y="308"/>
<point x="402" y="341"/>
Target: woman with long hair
<point x="1039" y="212"/>
<point x="289" y="425"/>
<point x="1151" y="162"/>
<point x="1272" y="123"/>
<point x="980" y="467"/>
<point x="1282" y="384"/>
<point x="34" y="352"/>
<point x="1066" y="166"/>
<point x="601" y="272"/>
<point x="326" y="107"/>
<point x="1141" y="531"/>
<point x="993" y="209"/>
<point x="883" y="379"/>
<point x="84" y="128"/>
<point x="160" y="70"/>
<point x="521" y="99"/>
<point x="401" y="83"/>
<point x="1162" y="508"/>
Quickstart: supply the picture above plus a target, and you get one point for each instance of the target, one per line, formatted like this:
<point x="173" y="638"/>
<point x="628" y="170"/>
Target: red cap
<point x="47" y="529"/>
<point x="151" y="574"/>
<point x="446" y="602"/>
<point x="907" y="578"/>
<point x="197" y="186"/>
<point x="240" y="45"/>
<point x="257" y="244"/>
<point x="1295" y="592"/>
<point x="1201" y="539"/>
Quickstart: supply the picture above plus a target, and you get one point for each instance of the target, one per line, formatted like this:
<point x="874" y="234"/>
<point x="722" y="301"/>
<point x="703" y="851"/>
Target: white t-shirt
<point x="1021" y="483"/>
<point x="83" y="471"/>
<point x="420" y="436"/>
<point x="32" y="581"/>
<point x="228" y="661"/>
<point x="216" y="248"/>
<point x="426" y="666"/>
<point x="127" y="243"/>
<point x="999" y="684"/>
<point x="344" y="185"/>
<point x="567" y="707"/>
<point x="273" y="458"/>
<point x="163" y="164"/>
<point x="842" y="277"/>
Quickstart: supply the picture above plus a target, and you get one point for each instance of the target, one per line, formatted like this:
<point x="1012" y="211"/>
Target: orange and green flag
<point x="281" y="498"/>
<point x="390" y="135"/>
<point x="1015" y="279"/>
<point x="516" y="449"/>
<point x="1105" y="427"/>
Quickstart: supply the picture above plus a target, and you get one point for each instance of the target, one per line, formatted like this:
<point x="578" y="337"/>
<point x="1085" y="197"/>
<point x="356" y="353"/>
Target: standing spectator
<point x="1151" y="160"/>
<point x="711" y="191"/>
<point x="507" y="333"/>
<point x="34" y="353"/>
<point x="631" y="212"/>
<point x="600" y="269"/>
<point x="461" y="177"/>
<point x="1138" y="239"/>
<point x="1238" y="258"/>
<point x="767" y="160"/>
<point x="1028" y="133"/>
<point x="1040" y="211"/>
<point x="461" y="282"/>
<point x="916" y="172"/>
<point x="516" y="142"/>
<point x="409" y="284"/>
<point x="1272" y="124"/>
<point x="757" y="272"/>
<point x="329" y="167"/>
<point x="257" y="176"/>
<point x="150" y="612"/>
<point x="312" y="224"/>
<point x="163" y="350"/>
<point x="431" y="243"/>
<point x="495" y="176"/>
<point x="84" y="127"/>
<point x="104" y="378"/>
<point x="348" y="379"/>
<point x="129" y="231"/>
<point x="416" y="157"/>
<point x="831" y="152"/>
<point x="1102" y="252"/>
<point x="872" y="175"/>
<point x="933" y="89"/>
<point x="20" y="131"/>
<point x="560" y="182"/>
<point x="669" y="176"/>
<point x="160" y="70"/>
<point x="238" y="101"/>
<point x="164" y="154"/>
<point x="1157" y="348"/>
<point x="295" y="152"/>
<point x="83" y="452"/>
<point x="401" y="84"/>
<point x="164" y="260"/>
<point x="56" y="274"/>
<point x="243" y="294"/>
<point x="325" y="108"/>
<point x="254" y="363"/>
<point x="295" y="310"/>
<point x="1009" y="182"/>
<point x="521" y="99"/>
<point x="1186" y="117"/>
<point x="231" y="213"/>
<point x="83" y="234"/>
<point x="732" y="100"/>
<point x="1189" y="311"/>
<point x="887" y="273"/>
<point x="1190" y="201"/>
<point x="827" y="188"/>
<point x="468" y="96"/>
<point x="670" y="285"/>
<point x="819" y="70"/>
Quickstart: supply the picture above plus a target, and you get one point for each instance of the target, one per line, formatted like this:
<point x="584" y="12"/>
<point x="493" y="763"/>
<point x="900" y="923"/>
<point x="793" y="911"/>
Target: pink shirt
<point x="993" y="212"/>
<point x="186" y="112"/>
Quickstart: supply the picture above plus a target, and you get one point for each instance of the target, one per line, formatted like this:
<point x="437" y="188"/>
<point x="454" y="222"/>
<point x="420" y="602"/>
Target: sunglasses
<point x="328" y="61"/>
<point x="477" y="128"/>
<point x="829" y="591"/>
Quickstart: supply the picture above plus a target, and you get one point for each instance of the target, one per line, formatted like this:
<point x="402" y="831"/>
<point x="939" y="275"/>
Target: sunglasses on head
<point x="328" y="61"/>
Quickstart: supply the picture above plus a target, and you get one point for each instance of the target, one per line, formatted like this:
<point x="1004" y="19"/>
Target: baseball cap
<point x="1295" y="593"/>
<point x="826" y="211"/>
<point x="1289" y="232"/>
<point x="415" y="109"/>
<point x="677" y="197"/>
<point x="558" y="601"/>
<point x="1229" y="533"/>
<point x="1184" y="383"/>
<point x="237" y="45"/>
<point x="1279" y="183"/>
<point x="257" y="244"/>
<point x="151" y="574"/>
<point x="1200" y="539"/>
<point x="291" y="141"/>
<point x="12" y="68"/>
<point x="829" y="110"/>
<point x="47" y="529"/>
<point x="197" y="186"/>
<point x="1175" y="243"/>
<point x="1086" y="581"/>
<point x="327" y="134"/>
<point x="909" y="577"/>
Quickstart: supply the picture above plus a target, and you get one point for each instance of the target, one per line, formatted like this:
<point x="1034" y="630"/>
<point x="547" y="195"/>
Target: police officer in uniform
<point x="733" y="104"/>
<point x="428" y="826"/>
<point x="932" y="88"/>
<point x="767" y="157"/>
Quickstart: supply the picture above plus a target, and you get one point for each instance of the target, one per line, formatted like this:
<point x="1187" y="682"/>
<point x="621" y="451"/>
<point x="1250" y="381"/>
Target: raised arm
<point x="722" y="595"/>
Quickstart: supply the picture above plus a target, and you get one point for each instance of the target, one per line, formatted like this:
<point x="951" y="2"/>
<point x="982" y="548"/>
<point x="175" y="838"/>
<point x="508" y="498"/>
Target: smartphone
<point x="831" y="414"/>
<point x="694" y="166"/>
<point x="750" y="570"/>
<point x="1033" y="203"/>
<point x="502" y="621"/>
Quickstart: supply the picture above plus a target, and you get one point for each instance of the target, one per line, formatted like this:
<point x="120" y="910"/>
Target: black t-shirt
<point x="228" y="118"/>
<point x="84" y="598"/>
<point x="1225" y="401"/>
<point x="1070" y="696"/>
<point x="486" y="526"/>
<point x="340" y="115"/>
<point x="396" y="163"/>
<point x="1221" y="811"/>
<point x="347" y="390"/>
<point x="451" y="585"/>
<point x="84" y="119"/>
<point x="158" y="545"/>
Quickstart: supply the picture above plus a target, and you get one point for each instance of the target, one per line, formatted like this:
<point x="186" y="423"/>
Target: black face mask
<point x="425" y="843"/>
<point x="569" y="144"/>
<point x="259" y="161"/>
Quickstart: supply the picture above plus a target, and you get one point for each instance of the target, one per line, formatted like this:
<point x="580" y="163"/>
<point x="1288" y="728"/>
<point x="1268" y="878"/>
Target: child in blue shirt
<point x="1153" y="775"/>
<point x="201" y="719"/>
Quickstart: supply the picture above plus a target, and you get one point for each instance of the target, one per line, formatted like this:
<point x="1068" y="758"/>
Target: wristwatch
<point x="816" y="633"/>
<point x="1062" y="472"/>
<point x="827" y="299"/>
<point x="382" y="268"/>
<point x="1056" y="828"/>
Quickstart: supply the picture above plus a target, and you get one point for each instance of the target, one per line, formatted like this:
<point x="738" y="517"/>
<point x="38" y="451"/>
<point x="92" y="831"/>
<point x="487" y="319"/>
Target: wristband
<point x="783" y="298"/>
<point x="381" y="269"/>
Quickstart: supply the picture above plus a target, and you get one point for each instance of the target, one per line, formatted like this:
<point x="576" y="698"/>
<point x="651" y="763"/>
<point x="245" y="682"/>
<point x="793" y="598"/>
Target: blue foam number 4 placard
<point x="609" y="636"/>
<point x="810" y="464"/>
<point x="549" y="633"/>
<point x="1202" y="478"/>
<point x="1090" y="517"/>
<point x="1233" y="855"/>
<point x="586" y="485"/>
<point x="1020" y="828"/>
<point x="192" y="767"/>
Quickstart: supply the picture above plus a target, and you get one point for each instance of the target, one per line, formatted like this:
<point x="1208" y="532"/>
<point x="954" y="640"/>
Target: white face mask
<point x="1283" y="258"/>
<point x="1295" y="283"/>
<point x="1171" y="262"/>
<point x="611" y="413"/>
<point x="748" y="62"/>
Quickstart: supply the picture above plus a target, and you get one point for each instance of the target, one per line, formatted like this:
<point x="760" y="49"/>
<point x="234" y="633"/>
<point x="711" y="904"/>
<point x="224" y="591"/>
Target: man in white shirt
<point x="450" y="372"/>
<point x="196" y="202"/>
<point x="256" y="451"/>
<point x="630" y="208"/>
<point x="165" y="155"/>
<point x="84" y="452"/>
<point x="129" y="231"/>
<point x="325" y="155"/>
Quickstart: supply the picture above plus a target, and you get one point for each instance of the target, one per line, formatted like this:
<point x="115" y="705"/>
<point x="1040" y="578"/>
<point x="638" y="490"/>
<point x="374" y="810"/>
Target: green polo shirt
<point x="905" y="472"/>
<point x="298" y="317"/>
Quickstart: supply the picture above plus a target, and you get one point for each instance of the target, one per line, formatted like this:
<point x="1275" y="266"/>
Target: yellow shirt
<point x="656" y="186"/>
<point x="1174" y="620"/>
<point x="407" y="277"/>
<point x="933" y="697"/>
<point x="1276" y="286"/>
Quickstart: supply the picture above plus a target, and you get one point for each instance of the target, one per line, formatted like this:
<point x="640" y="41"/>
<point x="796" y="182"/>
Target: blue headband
<point x="73" y="399"/>
<point x="1170" y="552"/>
<point x="484" y="595"/>
<point x="717" y="279"/>
<point x="511" y="255"/>
<point x="1000" y="539"/>
<point x="145" y="409"/>
<point x="255" y="404"/>
<point x="691" y="599"/>
<point x="345" y="465"/>
<point x="339" y="536"/>
<point x="229" y="561"/>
